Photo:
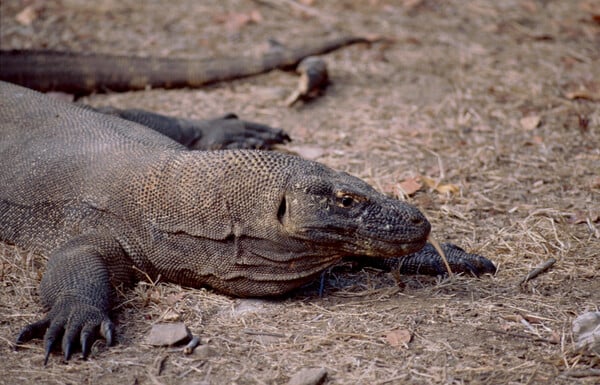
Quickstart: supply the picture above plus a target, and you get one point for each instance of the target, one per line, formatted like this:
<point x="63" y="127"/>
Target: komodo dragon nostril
<point x="416" y="220"/>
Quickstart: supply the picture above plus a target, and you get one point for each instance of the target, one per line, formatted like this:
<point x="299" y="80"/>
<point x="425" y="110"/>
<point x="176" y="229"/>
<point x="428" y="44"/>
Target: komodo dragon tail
<point x="82" y="74"/>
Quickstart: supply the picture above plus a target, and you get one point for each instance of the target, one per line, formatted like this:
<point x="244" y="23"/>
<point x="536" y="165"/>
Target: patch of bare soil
<point x="497" y="101"/>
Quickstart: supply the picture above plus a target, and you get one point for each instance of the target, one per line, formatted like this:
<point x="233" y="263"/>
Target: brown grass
<point x="445" y="101"/>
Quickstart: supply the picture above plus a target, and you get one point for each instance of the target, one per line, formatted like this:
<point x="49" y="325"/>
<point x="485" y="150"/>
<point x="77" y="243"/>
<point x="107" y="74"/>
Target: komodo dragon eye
<point x="346" y="200"/>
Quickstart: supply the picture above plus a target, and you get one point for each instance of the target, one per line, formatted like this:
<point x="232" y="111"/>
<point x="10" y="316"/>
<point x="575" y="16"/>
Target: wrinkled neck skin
<point x="254" y="223"/>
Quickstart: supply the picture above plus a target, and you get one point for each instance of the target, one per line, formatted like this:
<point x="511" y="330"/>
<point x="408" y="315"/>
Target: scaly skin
<point x="105" y="198"/>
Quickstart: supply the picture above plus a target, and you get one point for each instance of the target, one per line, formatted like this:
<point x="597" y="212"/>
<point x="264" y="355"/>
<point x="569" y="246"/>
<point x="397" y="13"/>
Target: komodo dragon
<point x="105" y="199"/>
<point x="84" y="73"/>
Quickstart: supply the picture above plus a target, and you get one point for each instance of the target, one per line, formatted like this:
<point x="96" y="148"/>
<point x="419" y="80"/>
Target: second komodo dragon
<point x="105" y="199"/>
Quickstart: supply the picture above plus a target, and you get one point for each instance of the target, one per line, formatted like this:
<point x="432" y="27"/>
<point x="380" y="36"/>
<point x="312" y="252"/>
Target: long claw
<point x="85" y="339"/>
<point x="67" y="350"/>
<point x="107" y="329"/>
<point x="68" y="342"/>
<point x="48" y="349"/>
<point x="52" y="334"/>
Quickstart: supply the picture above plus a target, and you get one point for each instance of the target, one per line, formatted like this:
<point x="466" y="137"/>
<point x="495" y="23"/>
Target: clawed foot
<point x="226" y="132"/>
<point x="73" y="323"/>
<point x="229" y="132"/>
<point x="427" y="261"/>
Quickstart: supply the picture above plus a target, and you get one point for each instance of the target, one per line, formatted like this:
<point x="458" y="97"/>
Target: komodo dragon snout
<point x="341" y="214"/>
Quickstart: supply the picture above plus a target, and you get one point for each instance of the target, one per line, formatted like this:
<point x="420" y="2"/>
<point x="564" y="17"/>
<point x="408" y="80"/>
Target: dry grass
<point x="446" y="102"/>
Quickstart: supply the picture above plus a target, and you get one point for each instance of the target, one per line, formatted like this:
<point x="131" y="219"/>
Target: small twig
<point x="150" y="280"/>
<point x="440" y="251"/>
<point x="192" y="369"/>
<point x="540" y="269"/>
<point x="518" y="335"/>
<point x="159" y="364"/>
<point x="582" y="373"/>
<point x="261" y="333"/>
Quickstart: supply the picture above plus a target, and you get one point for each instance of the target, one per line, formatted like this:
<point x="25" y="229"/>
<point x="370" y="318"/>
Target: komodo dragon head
<point x="262" y="223"/>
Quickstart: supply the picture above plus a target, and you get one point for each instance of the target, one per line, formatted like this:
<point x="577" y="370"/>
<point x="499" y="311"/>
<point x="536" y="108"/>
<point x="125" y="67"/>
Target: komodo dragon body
<point x="82" y="74"/>
<point x="105" y="199"/>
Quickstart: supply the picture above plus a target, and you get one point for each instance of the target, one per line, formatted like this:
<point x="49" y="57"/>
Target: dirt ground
<point x="496" y="102"/>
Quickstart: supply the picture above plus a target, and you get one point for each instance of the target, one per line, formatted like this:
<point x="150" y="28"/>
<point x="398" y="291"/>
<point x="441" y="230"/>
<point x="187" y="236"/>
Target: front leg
<point x="78" y="291"/>
<point x="226" y="132"/>
<point x="427" y="261"/>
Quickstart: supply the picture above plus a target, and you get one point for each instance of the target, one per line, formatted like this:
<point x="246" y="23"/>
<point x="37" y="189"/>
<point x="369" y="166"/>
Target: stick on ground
<point x="540" y="269"/>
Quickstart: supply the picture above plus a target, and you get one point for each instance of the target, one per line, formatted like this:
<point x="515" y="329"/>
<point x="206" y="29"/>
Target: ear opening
<point x="282" y="209"/>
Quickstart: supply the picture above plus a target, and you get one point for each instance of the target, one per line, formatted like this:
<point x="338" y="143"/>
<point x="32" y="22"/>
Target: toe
<point x="34" y="330"/>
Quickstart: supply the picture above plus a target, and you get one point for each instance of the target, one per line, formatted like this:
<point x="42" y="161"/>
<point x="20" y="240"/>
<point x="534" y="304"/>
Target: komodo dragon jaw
<point x="343" y="214"/>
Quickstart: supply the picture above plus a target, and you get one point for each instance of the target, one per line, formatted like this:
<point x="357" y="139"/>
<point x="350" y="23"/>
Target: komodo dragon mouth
<point x="379" y="227"/>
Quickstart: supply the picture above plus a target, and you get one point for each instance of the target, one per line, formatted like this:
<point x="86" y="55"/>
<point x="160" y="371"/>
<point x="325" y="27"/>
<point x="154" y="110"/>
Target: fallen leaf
<point x="447" y="189"/>
<point x="588" y="90"/>
<point x="530" y="122"/>
<point x="582" y="94"/>
<point x="512" y="317"/>
<point x="409" y="186"/>
<point x="554" y="337"/>
<point x="440" y="187"/>
<point x="431" y="183"/>
<point x="399" y="338"/>
<point x="171" y="316"/>
<point x="532" y="319"/>
<point x="27" y="15"/>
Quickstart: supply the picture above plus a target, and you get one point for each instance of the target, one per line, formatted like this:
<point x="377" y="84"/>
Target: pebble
<point x="586" y="332"/>
<point x="308" y="376"/>
<point x="167" y="334"/>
